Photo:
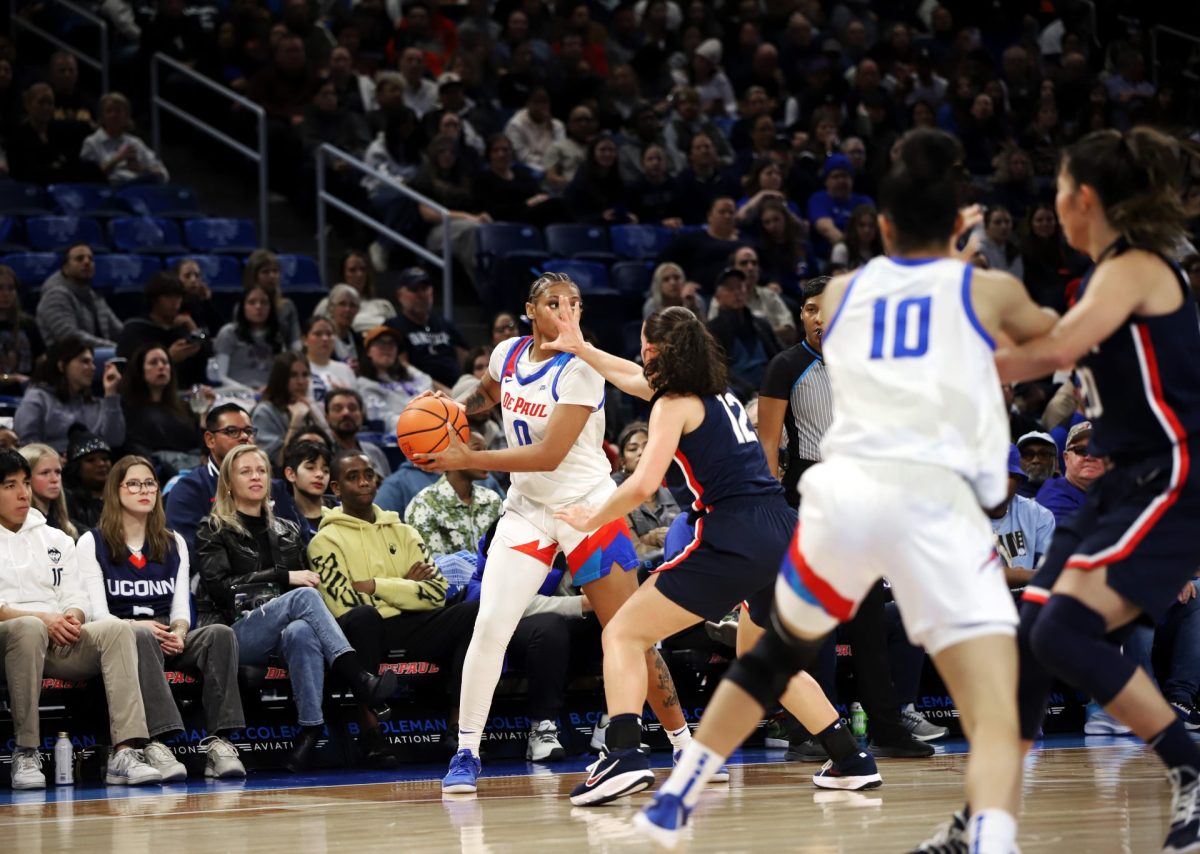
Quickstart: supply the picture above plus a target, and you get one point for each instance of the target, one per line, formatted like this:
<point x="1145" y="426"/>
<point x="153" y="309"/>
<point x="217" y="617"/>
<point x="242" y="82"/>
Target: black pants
<point x="541" y="647"/>
<point x="867" y="633"/>
<point x="440" y="636"/>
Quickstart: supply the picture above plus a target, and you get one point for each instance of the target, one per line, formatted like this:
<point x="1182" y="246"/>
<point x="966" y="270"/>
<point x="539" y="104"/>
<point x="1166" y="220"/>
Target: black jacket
<point x="226" y="560"/>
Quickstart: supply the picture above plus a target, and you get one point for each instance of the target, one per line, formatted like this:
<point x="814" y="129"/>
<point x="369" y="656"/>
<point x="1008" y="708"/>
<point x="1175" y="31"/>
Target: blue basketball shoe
<point x="614" y="775"/>
<point x="856" y="772"/>
<point x="663" y="820"/>
<point x="463" y="774"/>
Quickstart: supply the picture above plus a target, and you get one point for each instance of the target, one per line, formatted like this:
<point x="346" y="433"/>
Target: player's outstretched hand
<point x="456" y="456"/>
<point x="578" y="516"/>
<point x="570" y="336"/>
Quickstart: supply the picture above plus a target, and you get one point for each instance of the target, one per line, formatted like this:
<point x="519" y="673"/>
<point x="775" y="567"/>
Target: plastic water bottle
<point x="858" y="721"/>
<point x="64" y="761"/>
<point x="212" y="372"/>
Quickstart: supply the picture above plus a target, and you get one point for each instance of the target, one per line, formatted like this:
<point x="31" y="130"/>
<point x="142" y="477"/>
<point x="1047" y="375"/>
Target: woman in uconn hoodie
<point x="44" y="632"/>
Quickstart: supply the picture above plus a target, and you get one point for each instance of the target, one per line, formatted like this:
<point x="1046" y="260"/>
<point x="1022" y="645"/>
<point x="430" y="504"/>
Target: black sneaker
<point x="377" y="751"/>
<point x="904" y="748"/>
<point x="809" y="750"/>
<point x="1184" y="834"/>
<point x="950" y="838"/>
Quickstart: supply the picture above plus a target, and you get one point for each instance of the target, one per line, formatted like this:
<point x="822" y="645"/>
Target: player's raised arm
<point x="626" y="375"/>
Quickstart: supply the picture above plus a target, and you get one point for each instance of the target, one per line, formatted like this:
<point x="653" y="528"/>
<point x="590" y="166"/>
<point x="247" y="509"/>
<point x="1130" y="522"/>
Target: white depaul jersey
<point x="529" y="391"/>
<point x="913" y="374"/>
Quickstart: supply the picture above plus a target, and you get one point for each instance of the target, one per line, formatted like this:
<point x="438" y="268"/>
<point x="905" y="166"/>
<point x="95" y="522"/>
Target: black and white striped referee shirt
<point x="798" y="376"/>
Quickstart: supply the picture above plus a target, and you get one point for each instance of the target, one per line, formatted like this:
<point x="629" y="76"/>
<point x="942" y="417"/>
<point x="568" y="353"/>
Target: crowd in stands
<point x="238" y="446"/>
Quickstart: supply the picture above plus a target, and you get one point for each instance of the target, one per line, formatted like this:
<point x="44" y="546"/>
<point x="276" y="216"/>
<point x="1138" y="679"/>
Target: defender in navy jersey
<point x="1133" y="336"/>
<point x="701" y="441"/>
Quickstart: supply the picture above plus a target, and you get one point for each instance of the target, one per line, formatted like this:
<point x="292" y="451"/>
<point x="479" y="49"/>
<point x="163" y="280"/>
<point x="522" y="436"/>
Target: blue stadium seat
<point x="221" y="235"/>
<point x="152" y="235"/>
<point x="87" y="200"/>
<point x="20" y="199"/>
<point x="32" y="268"/>
<point x="54" y="233"/>
<point x="169" y="200"/>
<point x="509" y="258"/>
<point x="632" y="278"/>
<point x="125" y="271"/>
<point x="583" y="242"/>
<point x="11" y="235"/>
<point x="221" y="272"/>
<point x="640" y="242"/>
<point x="589" y="275"/>
<point x="298" y="273"/>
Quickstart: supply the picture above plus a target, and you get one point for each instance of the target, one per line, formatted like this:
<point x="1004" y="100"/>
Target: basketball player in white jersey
<point x="552" y="404"/>
<point x="917" y="448"/>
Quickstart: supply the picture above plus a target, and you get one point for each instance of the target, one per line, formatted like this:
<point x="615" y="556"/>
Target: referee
<point x="796" y="397"/>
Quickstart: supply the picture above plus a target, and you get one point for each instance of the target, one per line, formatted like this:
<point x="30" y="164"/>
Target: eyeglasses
<point x="1084" y="450"/>
<point x="234" y="432"/>
<point x="136" y="486"/>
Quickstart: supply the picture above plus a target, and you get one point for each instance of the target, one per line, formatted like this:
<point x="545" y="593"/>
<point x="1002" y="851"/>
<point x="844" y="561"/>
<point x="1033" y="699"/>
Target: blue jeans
<point x="298" y="627"/>
<point x="1175" y="645"/>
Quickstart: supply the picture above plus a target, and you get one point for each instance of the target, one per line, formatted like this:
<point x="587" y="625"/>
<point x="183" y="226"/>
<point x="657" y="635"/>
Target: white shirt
<point x="92" y="577"/>
<point x="423" y="99"/>
<point x="99" y="148"/>
<point x="327" y="377"/>
<point x="527" y="401"/>
<point x="38" y="569"/>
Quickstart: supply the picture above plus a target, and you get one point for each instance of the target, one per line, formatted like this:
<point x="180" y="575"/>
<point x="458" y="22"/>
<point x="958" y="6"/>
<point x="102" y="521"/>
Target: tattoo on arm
<point x="477" y="402"/>
<point x="665" y="683"/>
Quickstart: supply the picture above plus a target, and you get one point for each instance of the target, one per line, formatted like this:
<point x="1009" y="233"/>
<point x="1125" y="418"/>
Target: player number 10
<point x="907" y="326"/>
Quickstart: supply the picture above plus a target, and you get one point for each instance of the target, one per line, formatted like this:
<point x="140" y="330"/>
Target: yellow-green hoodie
<point x="346" y="549"/>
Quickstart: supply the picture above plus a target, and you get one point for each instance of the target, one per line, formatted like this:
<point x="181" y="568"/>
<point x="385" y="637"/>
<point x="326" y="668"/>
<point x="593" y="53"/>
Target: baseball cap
<point x="729" y="273"/>
<point x="449" y="78"/>
<point x="414" y="278"/>
<point x="1014" y="463"/>
<point x="378" y="331"/>
<point x="710" y="49"/>
<point x="1082" y="430"/>
<point x="87" y="444"/>
<point x="835" y="162"/>
<point x="1037" y="436"/>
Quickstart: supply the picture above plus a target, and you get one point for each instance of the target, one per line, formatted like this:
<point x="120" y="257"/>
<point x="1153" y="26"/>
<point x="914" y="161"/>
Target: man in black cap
<point x="433" y="344"/>
<point x="89" y="460"/>
<point x="747" y="340"/>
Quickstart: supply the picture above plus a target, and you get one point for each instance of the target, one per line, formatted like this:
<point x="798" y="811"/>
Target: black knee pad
<point x="1069" y="639"/>
<point x="766" y="669"/>
<point x="1033" y="680"/>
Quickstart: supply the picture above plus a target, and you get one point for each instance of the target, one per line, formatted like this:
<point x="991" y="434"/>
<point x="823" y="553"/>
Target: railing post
<point x="447" y="269"/>
<point x="155" y="118"/>
<point x="322" y="244"/>
<point x="104" y="57"/>
<point x="263" y="225"/>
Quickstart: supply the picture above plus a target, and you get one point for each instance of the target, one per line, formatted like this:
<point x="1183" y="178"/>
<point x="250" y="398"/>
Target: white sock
<point x="680" y="738"/>
<point x="992" y="831"/>
<point x="695" y="768"/>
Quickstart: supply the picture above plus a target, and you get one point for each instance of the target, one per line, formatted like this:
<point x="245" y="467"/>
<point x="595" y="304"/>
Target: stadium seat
<point x="300" y="280"/>
<point x="589" y="275"/>
<point x="20" y="199"/>
<point x="124" y="271"/>
<point x="220" y="272"/>
<point x="166" y="200"/>
<point x="11" y="234"/>
<point x="54" y="233"/>
<point x="221" y="235"/>
<point x="87" y="200"/>
<point x="32" y="268"/>
<point x="510" y="256"/>
<point x="641" y="242"/>
<point x="582" y="242"/>
<point x="632" y="278"/>
<point x="152" y="235"/>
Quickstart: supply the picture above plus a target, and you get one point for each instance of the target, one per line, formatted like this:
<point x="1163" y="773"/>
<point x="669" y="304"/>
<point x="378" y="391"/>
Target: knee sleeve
<point x="1069" y="639"/>
<point x="765" y="670"/>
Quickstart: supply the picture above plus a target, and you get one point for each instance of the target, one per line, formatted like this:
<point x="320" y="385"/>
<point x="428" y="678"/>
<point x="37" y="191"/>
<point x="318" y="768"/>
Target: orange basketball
<point x="421" y="427"/>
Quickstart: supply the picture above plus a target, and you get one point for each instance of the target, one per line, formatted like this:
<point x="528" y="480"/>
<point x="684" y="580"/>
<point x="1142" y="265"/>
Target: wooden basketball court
<point x="1111" y="797"/>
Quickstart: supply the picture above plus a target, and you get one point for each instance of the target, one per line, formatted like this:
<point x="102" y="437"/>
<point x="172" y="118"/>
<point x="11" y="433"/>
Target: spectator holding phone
<point x="165" y="325"/>
<point x="61" y="396"/>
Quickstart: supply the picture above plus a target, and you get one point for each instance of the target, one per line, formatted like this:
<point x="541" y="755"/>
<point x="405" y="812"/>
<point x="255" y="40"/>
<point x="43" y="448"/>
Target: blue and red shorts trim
<point x="593" y="559"/>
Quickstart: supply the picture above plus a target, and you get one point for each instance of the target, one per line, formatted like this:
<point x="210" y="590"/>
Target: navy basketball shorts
<point x="1140" y="521"/>
<point x="733" y="558"/>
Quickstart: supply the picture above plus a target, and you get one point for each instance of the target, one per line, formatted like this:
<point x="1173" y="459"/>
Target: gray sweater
<point x="42" y="417"/>
<point x="66" y="307"/>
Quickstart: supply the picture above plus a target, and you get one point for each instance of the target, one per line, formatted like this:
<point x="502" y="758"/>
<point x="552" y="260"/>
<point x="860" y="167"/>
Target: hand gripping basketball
<point x="431" y="425"/>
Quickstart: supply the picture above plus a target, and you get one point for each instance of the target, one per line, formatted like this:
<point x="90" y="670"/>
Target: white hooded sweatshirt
<point x="38" y="571"/>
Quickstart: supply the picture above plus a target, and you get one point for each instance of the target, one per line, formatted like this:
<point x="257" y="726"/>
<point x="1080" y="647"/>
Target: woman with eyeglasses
<point x="255" y="576"/>
<point x="504" y="326"/>
<point x="135" y="569"/>
<point x="286" y="409"/>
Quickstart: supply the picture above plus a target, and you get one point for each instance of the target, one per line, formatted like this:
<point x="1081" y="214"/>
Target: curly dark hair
<point x="689" y="359"/>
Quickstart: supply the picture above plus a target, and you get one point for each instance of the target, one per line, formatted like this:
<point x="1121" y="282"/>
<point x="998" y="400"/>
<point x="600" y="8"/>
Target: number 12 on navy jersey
<point x="904" y="324"/>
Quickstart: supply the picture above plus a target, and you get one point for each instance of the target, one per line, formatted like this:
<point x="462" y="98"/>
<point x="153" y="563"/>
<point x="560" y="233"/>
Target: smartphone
<point x="119" y="363"/>
<point x="196" y="335"/>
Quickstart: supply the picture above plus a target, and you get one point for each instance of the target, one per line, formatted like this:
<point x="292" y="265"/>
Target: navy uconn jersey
<point x="1141" y="385"/>
<point x="721" y="459"/>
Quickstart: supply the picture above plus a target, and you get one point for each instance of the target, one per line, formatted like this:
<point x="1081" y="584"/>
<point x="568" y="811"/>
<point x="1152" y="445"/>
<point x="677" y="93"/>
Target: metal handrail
<point x="100" y="64"/>
<point x="257" y="156"/>
<point x="324" y="198"/>
<point x="1191" y="37"/>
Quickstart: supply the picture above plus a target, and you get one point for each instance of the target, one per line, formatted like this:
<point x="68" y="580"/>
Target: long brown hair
<point x="689" y="359"/>
<point x="159" y="540"/>
<point x="1138" y="176"/>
